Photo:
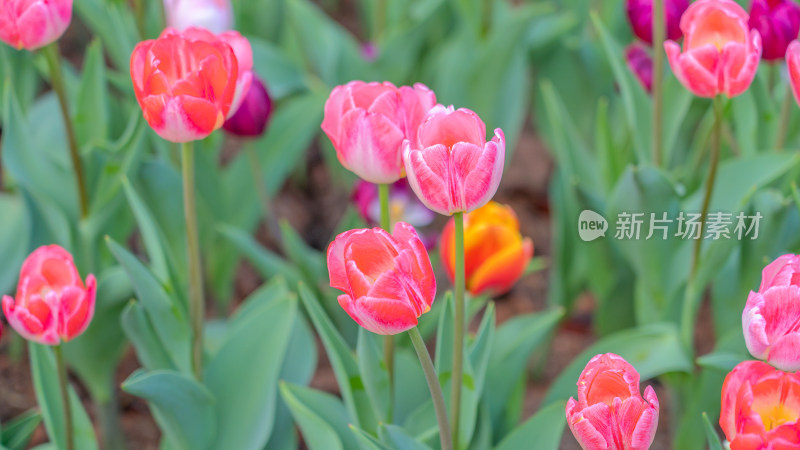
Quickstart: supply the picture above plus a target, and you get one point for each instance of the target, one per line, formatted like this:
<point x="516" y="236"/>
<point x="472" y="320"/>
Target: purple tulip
<point x="640" y="15"/>
<point x="778" y="22"/>
<point x="641" y="64"/>
<point x="251" y="118"/>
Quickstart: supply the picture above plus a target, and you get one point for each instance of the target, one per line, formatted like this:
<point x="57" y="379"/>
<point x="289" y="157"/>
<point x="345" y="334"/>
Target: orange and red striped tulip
<point x="184" y="86"/>
<point x="495" y="253"/>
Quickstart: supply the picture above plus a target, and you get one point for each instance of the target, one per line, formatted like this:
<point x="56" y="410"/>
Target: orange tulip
<point x="495" y="253"/>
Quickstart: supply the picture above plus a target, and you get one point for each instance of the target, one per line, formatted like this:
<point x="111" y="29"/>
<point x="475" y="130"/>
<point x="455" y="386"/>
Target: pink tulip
<point x="770" y="317"/>
<point x="793" y="64"/>
<point x="778" y="23"/>
<point x="32" y="24"/>
<point x="610" y="413"/>
<point x="720" y="51"/>
<point x="387" y="279"/>
<point x="452" y="168"/>
<point x="213" y="15"/>
<point x="641" y="64"/>
<point x="244" y="57"/>
<point x="52" y="304"/>
<point x="368" y="122"/>
<point x="760" y="408"/>
<point x="251" y="118"/>
<point x="640" y="16"/>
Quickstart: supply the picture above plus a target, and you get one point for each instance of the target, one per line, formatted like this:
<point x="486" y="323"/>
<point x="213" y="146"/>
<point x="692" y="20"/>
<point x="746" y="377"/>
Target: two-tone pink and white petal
<point x="771" y="324"/>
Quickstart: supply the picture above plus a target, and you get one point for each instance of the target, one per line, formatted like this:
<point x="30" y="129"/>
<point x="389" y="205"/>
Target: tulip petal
<point x="784" y="353"/>
<point x="370" y="146"/>
<point x="499" y="272"/>
<point x="336" y="262"/>
<point x="428" y="175"/>
<point x="383" y="316"/>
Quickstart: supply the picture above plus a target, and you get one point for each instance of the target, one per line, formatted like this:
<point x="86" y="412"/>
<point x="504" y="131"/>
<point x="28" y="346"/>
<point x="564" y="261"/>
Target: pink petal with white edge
<point x="483" y="179"/>
<point x="746" y="58"/>
<point x="755" y="327"/>
<point x="695" y="76"/>
<point x="426" y="170"/>
<point x="336" y="264"/>
<point x="372" y="313"/>
<point x="371" y="146"/>
<point x="784" y="353"/>
<point x="793" y="64"/>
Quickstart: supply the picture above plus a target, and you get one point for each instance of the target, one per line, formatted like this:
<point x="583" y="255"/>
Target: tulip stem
<point x="62" y="383"/>
<point x="689" y="304"/>
<point x="196" y="303"/>
<point x="658" y="76"/>
<point x="388" y="341"/>
<point x="786" y="115"/>
<point x="433" y="385"/>
<point x="458" y="335"/>
<point x="53" y="57"/>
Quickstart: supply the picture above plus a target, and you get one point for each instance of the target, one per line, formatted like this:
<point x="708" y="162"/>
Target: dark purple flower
<point x="641" y="64"/>
<point x="640" y="15"/>
<point x="778" y="22"/>
<point x="251" y="118"/>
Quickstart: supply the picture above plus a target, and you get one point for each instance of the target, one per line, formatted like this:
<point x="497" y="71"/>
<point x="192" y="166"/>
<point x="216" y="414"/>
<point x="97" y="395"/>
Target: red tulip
<point x="387" y="279"/>
<point x="367" y="123"/>
<point x="778" y="22"/>
<point x="760" y="408"/>
<point x="184" y="86"/>
<point x="32" y="24"/>
<point x="610" y="414"/>
<point x="52" y="304"/>
<point x="452" y="168"/>
<point x="720" y="51"/>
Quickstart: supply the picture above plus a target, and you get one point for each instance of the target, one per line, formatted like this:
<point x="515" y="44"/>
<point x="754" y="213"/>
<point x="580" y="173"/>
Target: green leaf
<point x="653" y="350"/>
<point x="152" y="237"/>
<point x="267" y="263"/>
<point x="724" y="361"/>
<point x="91" y="112"/>
<point x="48" y="396"/>
<point x="344" y="365"/>
<point x="139" y="328"/>
<point x="514" y="342"/>
<point x="367" y="441"/>
<point x="373" y="372"/>
<point x="634" y="98"/>
<point x="183" y="408"/>
<point x="397" y="438"/>
<point x="246" y="399"/>
<point x="281" y="75"/>
<point x="711" y="434"/>
<point x="15" y="236"/>
<point x="17" y="433"/>
<point x="114" y="24"/>
<point x="321" y="417"/>
<point x="164" y="312"/>
<point x="544" y="429"/>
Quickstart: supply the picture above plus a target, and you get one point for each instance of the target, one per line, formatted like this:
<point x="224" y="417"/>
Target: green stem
<point x="458" y="335"/>
<point x="196" y="297"/>
<point x="388" y="341"/>
<point x="433" y="385"/>
<point x="62" y="383"/>
<point x="56" y="80"/>
<point x="690" y="302"/>
<point x="108" y="416"/>
<point x="786" y="115"/>
<point x="658" y="76"/>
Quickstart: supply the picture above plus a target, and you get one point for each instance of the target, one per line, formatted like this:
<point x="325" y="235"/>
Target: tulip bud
<point x="185" y="83"/>
<point x="250" y="120"/>
<point x="32" y="24"/>
<point x="640" y="16"/>
<point x="367" y="123"/>
<point x="720" y="51"/>
<point x="52" y="305"/>
<point x="641" y="64"/>
<point x="495" y="254"/>
<point x="213" y="15"/>
<point x="769" y="319"/>
<point x="610" y="412"/>
<point x="452" y="168"/>
<point x="387" y="279"/>
<point x="778" y="22"/>
<point x="793" y="65"/>
<point x="760" y="407"/>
